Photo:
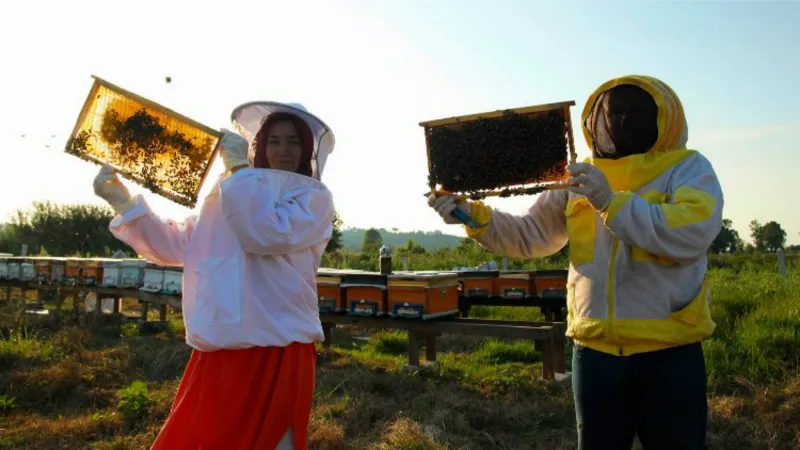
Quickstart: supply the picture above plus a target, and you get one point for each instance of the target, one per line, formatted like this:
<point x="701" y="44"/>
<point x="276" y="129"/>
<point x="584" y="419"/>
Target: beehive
<point x="550" y="283"/>
<point x="515" y="283"/>
<point x="132" y="275"/>
<point x="479" y="283"/>
<point x="14" y="269"/>
<point x="507" y="152"/>
<point x="173" y="281"/>
<point x="43" y="270"/>
<point x="423" y="295"/>
<point x="3" y="267"/>
<point x="27" y="269"/>
<point x="147" y="143"/>
<point x="365" y="294"/>
<point x="153" y="279"/>
<point x="58" y="270"/>
<point x="73" y="272"/>
<point x="92" y="271"/>
<point x="112" y="273"/>
<point x="330" y="293"/>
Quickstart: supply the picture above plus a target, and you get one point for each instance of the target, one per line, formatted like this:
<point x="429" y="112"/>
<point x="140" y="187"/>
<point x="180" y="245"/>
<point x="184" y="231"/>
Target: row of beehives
<point x="103" y="272"/>
<point x="425" y="295"/>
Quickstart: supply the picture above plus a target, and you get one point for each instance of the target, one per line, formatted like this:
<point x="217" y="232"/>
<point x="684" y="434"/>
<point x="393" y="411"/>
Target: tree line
<point x="82" y="230"/>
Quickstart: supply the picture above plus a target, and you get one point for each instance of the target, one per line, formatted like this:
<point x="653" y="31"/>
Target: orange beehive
<point x="365" y="294"/>
<point x="423" y="295"/>
<point x="550" y="283"/>
<point x="479" y="283"/>
<point x="43" y="270"/>
<point x="73" y="271"/>
<point x="330" y="293"/>
<point x="92" y="271"/>
<point x="515" y="283"/>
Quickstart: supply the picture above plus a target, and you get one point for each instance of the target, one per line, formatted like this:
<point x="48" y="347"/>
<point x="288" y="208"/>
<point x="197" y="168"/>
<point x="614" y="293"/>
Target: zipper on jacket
<point x="610" y="287"/>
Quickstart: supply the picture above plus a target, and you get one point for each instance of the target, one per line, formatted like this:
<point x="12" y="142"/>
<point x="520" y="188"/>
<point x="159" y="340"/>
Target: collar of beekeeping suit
<point x="634" y="171"/>
<point x="248" y="119"/>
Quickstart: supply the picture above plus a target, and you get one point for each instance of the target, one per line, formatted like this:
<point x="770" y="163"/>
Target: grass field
<point x="111" y="388"/>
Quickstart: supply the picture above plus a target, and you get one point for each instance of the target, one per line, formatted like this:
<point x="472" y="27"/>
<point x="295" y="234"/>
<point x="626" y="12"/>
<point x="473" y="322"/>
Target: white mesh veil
<point x="248" y="118"/>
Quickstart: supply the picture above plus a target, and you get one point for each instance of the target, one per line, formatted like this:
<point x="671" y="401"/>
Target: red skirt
<point x="242" y="399"/>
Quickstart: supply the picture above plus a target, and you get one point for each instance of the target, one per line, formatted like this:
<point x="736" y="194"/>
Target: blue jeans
<point x="659" y="396"/>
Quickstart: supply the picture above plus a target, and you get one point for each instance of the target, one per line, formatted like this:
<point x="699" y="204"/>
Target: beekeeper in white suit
<point x="249" y="289"/>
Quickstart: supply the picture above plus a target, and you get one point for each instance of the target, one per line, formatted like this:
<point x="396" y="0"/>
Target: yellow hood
<point x="672" y="129"/>
<point x="634" y="171"/>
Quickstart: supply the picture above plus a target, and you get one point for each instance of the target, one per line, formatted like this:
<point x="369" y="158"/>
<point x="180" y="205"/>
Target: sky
<point x="374" y="69"/>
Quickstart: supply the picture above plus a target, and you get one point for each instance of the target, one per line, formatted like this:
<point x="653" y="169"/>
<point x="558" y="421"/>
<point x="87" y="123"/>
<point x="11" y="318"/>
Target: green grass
<point x="111" y="387"/>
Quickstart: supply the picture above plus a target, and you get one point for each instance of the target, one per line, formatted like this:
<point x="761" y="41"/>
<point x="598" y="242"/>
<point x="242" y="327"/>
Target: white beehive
<point x="153" y="279"/>
<point x="14" y="269"/>
<point x="132" y="273"/>
<point x="58" y="270"/>
<point x="112" y="273"/>
<point x="3" y="268"/>
<point x="173" y="282"/>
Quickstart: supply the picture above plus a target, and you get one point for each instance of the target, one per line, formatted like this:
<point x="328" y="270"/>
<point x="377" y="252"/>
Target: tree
<point x="728" y="240"/>
<point x="373" y="241"/>
<point x="411" y="247"/>
<point x="62" y="230"/>
<point x="335" y="243"/>
<point x="768" y="237"/>
<point x="774" y="236"/>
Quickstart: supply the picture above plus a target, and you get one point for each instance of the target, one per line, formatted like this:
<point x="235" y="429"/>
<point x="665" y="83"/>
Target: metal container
<point x="132" y="273"/>
<point x="153" y="279"/>
<point x="112" y="273"/>
<point x="173" y="281"/>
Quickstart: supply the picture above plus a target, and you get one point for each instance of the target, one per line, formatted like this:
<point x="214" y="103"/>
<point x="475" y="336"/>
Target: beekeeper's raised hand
<point x="109" y="187"/>
<point x="444" y="205"/>
<point x="588" y="180"/>
<point x="233" y="149"/>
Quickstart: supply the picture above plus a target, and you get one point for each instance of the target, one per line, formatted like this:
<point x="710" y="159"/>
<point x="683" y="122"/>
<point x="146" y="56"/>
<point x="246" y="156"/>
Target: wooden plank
<point x="453" y="326"/>
<point x="497" y="113"/>
<point x="327" y="331"/>
<point x="413" y="349"/>
<point x="430" y="347"/>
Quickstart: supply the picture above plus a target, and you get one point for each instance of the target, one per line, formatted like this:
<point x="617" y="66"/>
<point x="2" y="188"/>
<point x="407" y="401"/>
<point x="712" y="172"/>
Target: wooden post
<point x="327" y="331"/>
<point x="430" y="347"/>
<point x="144" y="308"/>
<point x="117" y="305"/>
<point x="413" y="349"/>
<point x="162" y="313"/>
<point x="548" y="356"/>
<point x="559" y="356"/>
<point x="98" y="308"/>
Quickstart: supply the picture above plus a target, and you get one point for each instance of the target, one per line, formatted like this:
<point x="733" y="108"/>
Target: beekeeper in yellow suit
<point x="639" y="217"/>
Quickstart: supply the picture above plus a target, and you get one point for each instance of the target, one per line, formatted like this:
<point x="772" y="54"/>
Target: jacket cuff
<point x="617" y="203"/>
<point x="481" y="214"/>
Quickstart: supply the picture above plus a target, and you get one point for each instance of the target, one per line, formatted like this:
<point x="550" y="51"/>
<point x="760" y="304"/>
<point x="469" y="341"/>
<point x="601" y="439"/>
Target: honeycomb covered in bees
<point x="150" y="145"/>
<point x="512" y="148"/>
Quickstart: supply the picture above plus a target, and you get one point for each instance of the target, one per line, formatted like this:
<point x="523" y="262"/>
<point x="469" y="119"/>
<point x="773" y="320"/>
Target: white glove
<point x="588" y="180"/>
<point x="444" y="206"/>
<point x="233" y="149"/>
<point x="109" y="187"/>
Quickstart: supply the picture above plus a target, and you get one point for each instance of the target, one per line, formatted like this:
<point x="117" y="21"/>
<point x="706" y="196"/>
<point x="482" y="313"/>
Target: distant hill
<point x="430" y="240"/>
